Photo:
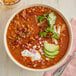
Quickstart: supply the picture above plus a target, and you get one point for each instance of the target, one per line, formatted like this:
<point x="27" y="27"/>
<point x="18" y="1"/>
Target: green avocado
<point x="50" y="56"/>
<point x="50" y="53"/>
<point x="51" y="47"/>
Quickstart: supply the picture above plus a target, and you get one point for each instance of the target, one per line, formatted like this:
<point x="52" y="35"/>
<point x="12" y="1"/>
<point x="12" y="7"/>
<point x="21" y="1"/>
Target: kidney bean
<point x="22" y="46"/>
<point x="30" y="50"/>
<point x="35" y="61"/>
<point x="24" y="29"/>
<point x="15" y="42"/>
<point x="47" y="36"/>
<point x="27" y="47"/>
<point x="30" y="42"/>
<point x="31" y="13"/>
<point x="18" y="29"/>
<point x="38" y="44"/>
<point x="37" y="48"/>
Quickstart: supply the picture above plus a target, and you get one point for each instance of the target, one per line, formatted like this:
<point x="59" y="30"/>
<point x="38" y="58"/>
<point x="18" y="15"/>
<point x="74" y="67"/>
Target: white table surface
<point x="7" y="67"/>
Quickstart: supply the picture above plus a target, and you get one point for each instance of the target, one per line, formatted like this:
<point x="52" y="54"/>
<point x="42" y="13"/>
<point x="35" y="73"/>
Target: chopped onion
<point x="34" y="46"/>
<point x="40" y="38"/>
<point x="40" y="50"/>
<point x="40" y="42"/>
<point x="59" y="28"/>
<point x="55" y="41"/>
<point x="42" y="53"/>
<point x="38" y="46"/>
<point x="47" y="58"/>
<point x="45" y="41"/>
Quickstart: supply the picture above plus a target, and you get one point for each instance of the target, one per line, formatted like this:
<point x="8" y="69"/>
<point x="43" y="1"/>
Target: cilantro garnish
<point x="45" y="14"/>
<point x="51" y="18"/>
<point x="42" y="18"/>
<point x="55" y="35"/>
<point x="43" y="34"/>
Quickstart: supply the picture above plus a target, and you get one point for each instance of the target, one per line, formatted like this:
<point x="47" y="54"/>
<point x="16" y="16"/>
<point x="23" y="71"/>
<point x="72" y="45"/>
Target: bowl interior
<point x="68" y="50"/>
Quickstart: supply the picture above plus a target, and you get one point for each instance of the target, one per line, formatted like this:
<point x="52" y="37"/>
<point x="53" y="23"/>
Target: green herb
<point x="51" y="19"/>
<point x="49" y="34"/>
<point x="48" y="29"/>
<point x="43" y="34"/>
<point x="53" y="29"/>
<point x="42" y="18"/>
<point x="55" y="35"/>
<point x="45" y="14"/>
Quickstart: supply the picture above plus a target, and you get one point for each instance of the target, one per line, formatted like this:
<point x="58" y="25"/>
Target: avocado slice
<point x="50" y="56"/>
<point x="50" y="53"/>
<point x="51" y="47"/>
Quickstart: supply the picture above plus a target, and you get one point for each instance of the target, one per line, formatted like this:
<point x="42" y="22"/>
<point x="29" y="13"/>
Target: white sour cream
<point x="34" y="57"/>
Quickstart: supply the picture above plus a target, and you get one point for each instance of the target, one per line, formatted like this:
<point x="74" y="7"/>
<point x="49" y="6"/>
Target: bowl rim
<point x="45" y="69"/>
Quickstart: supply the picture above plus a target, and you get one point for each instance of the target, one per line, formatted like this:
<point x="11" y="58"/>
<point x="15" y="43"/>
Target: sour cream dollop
<point x="33" y="56"/>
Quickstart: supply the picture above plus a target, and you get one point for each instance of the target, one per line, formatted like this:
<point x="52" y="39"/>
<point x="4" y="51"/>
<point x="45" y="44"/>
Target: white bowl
<point x="45" y="69"/>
